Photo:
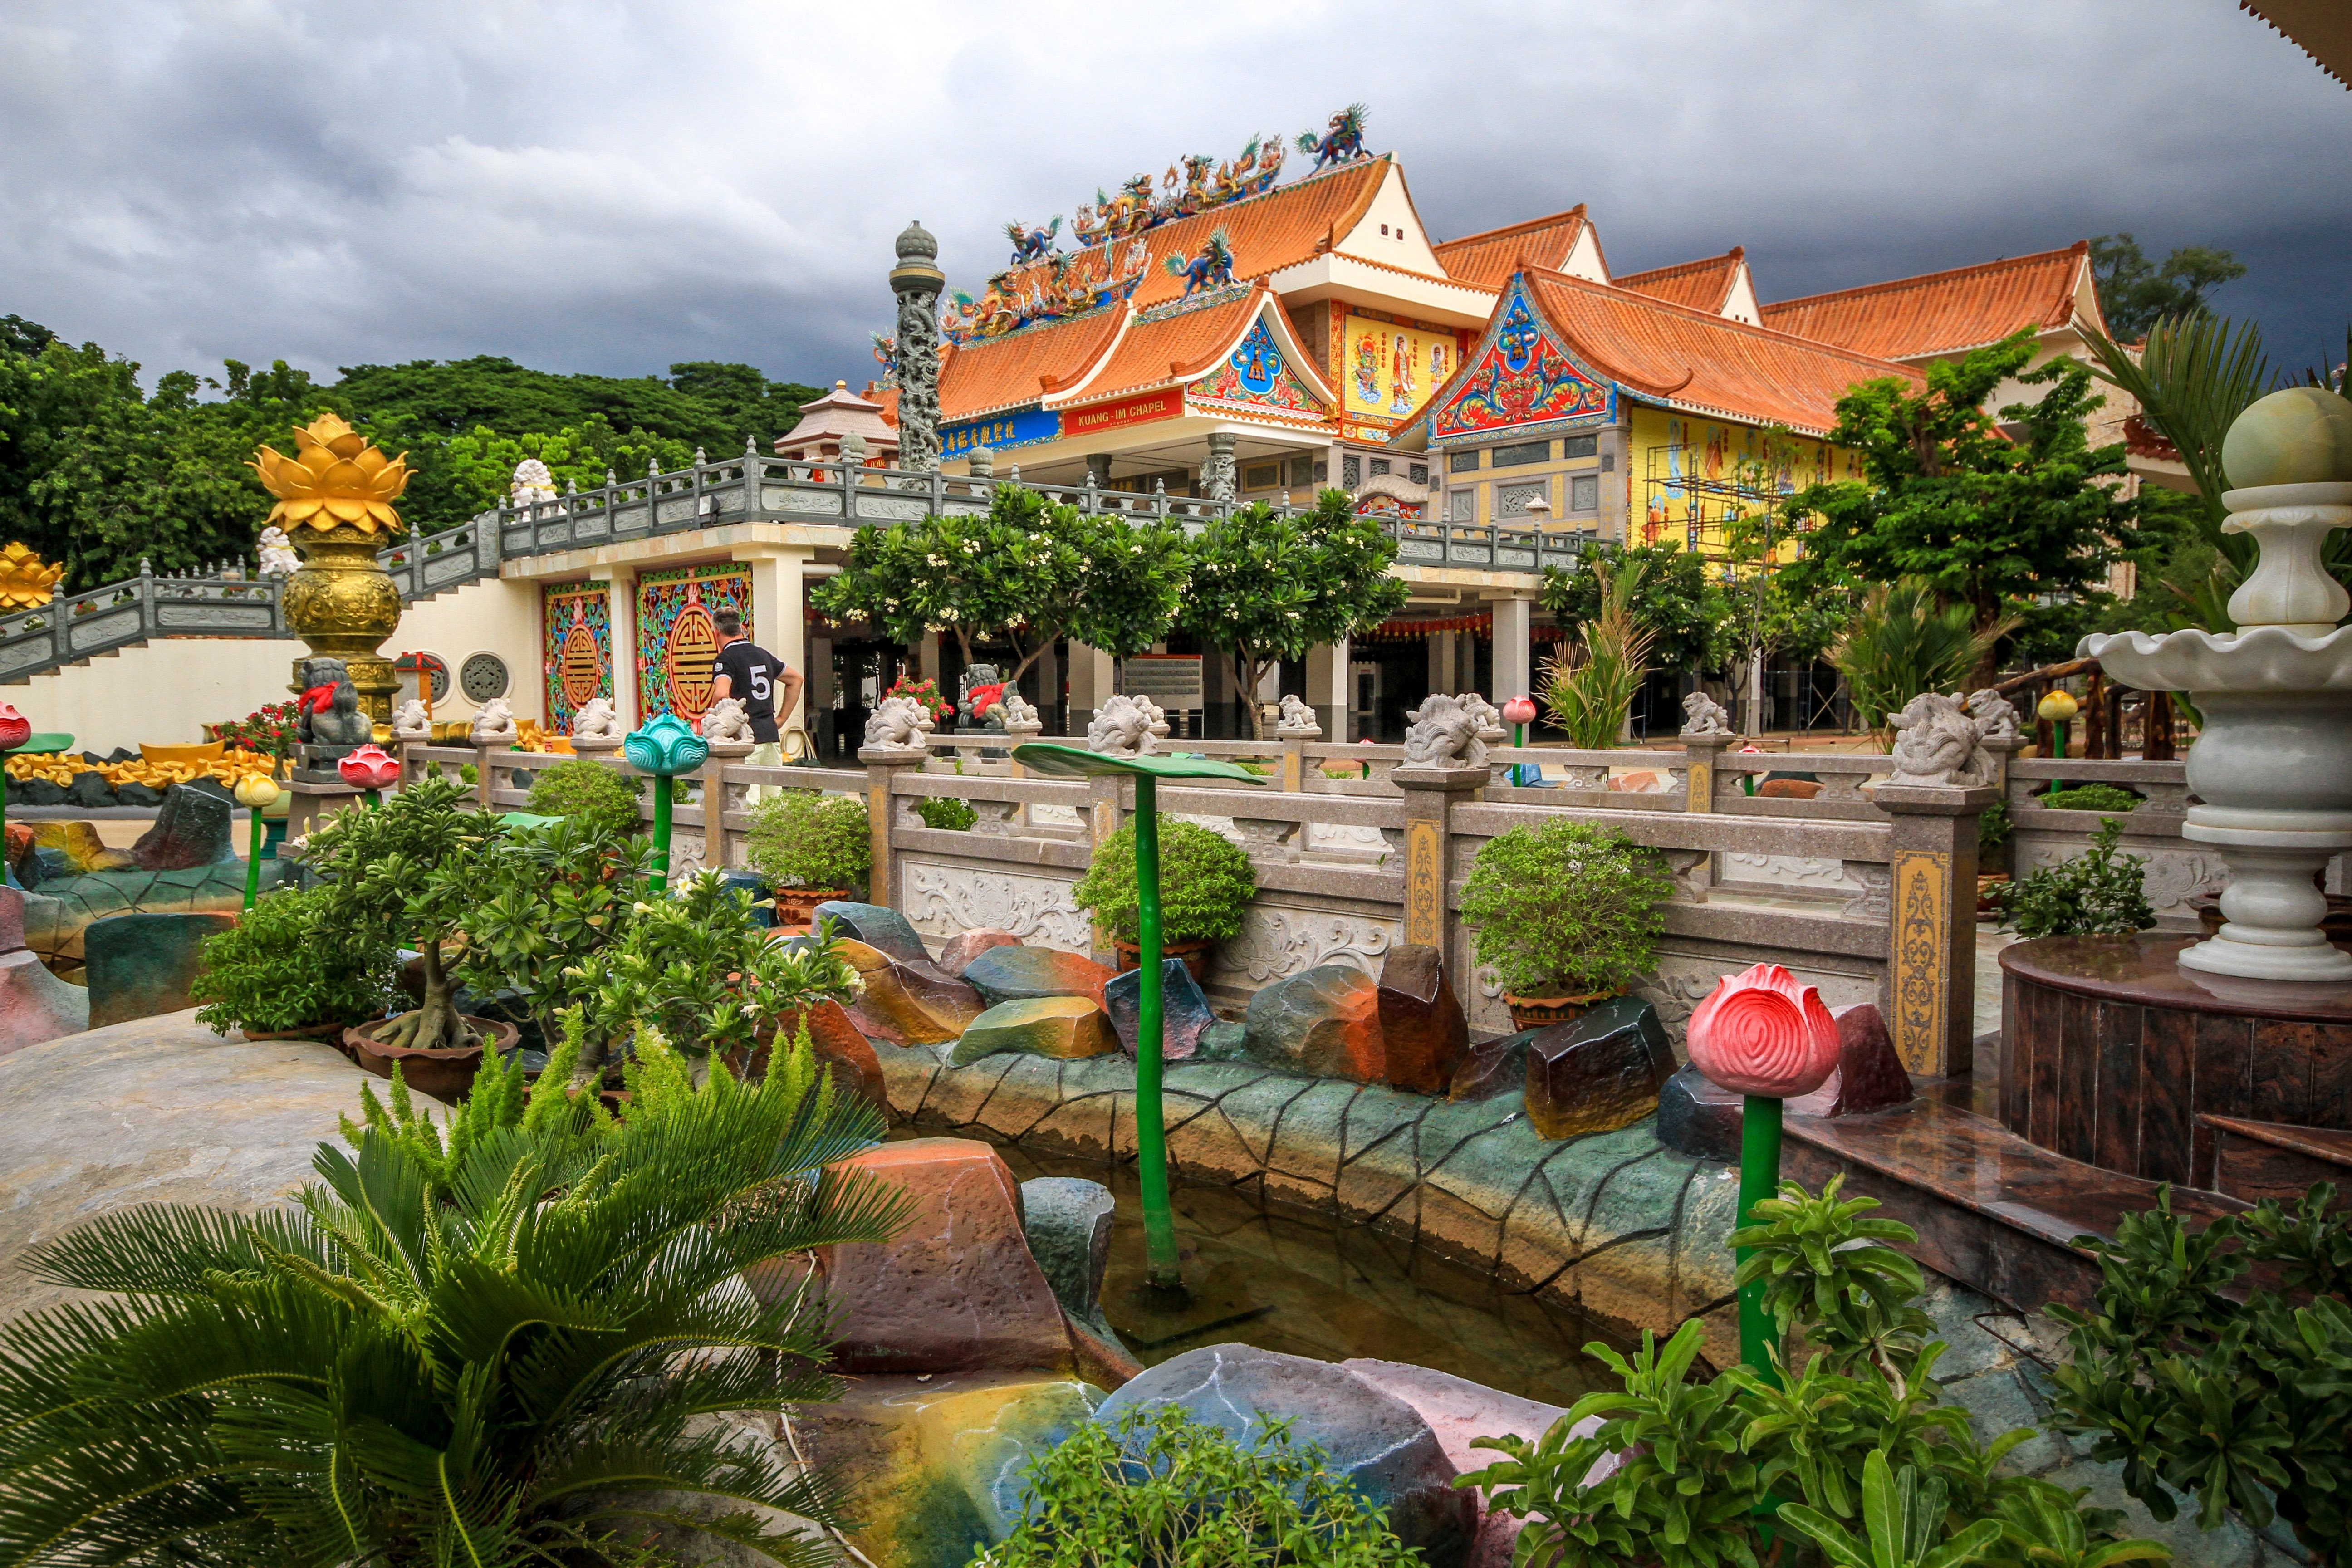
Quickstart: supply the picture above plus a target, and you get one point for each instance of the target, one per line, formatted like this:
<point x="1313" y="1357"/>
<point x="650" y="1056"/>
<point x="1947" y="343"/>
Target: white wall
<point x="168" y="689"/>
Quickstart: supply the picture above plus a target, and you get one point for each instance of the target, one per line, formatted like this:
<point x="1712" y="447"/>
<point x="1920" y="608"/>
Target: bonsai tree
<point x="802" y="838"/>
<point x="551" y="901"/>
<point x="595" y="796"/>
<point x="286" y="965"/>
<point x="1205" y="884"/>
<point x="1567" y="909"/>
<point x="413" y="869"/>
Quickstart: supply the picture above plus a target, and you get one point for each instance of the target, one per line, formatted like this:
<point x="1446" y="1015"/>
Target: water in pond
<point x="1295" y="1280"/>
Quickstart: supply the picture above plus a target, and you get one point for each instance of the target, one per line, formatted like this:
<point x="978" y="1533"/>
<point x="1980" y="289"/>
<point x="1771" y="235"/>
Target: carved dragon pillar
<point x="918" y="280"/>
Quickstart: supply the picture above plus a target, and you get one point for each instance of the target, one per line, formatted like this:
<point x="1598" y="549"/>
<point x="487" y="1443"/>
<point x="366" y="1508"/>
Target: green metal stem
<point x="1759" y="1178"/>
<point x="661" y="832"/>
<point x="372" y="797"/>
<point x="4" y="868"/>
<point x="2059" y="728"/>
<point x="1161" y="1264"/>
<point x="253" y="859"/>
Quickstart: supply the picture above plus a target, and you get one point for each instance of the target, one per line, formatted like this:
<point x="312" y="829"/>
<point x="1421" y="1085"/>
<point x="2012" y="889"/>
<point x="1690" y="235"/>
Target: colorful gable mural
<point x="1389" y="366"/>
<point x="1690" y="475"/>
<point x="675" y="638"/>
<point x="1258" y="375"/>
<point x="575" y="644"/>
<point x="1521" y="378"/>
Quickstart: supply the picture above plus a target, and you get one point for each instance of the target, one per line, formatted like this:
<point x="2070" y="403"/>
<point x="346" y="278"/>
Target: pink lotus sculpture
<point x="1764" y="1032"/>
<point x="15" y="728"/>
<point x="370" y="768"/>
<point x="1519" y="710"/>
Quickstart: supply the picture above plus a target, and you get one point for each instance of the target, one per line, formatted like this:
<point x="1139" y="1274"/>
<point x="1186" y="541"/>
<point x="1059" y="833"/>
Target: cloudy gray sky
<point x="607" y="186"/>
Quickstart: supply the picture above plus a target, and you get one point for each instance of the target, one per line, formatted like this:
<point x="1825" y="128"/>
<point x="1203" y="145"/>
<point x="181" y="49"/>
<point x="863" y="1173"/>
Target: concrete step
<point x="2257" y="1160"/>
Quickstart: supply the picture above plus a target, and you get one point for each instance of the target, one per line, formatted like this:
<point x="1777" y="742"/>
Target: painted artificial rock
<point x="1869" y="1074"/>
<point x="34" y="1004"/>
<point x="1065" y="1028"/>
<point x="1424" y="1035"/>
<point x="80" y="845"/>
<point x="1324" y="1023"/>
<point x="908" y="1001"/>
<point x="883" y="929"/>
<point x="1021" y="973"/>
<point x="1699" y="1116"/>
<point x="1375" y="1440"/>
<point x="191" y="829"/>
<point x="964" y="946"/>
<point x="140" y="965"/>
<point x="57" y="915"/>
<point x="1599" y="1072"/>
<point x="1184" y="1010"/>
<point x="845" y="1053"/>
<point x="1493" y="1067"/>
<point x="1067" y="1221"/>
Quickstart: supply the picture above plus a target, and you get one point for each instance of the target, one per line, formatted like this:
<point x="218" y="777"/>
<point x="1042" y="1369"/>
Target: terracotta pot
<point x="330" y="1033"/>
<point x="1542" y="1012"/>
<point x="444" y="1074"/>
<point x="1985" y="885"/>
<point x="797" y="906"/>
<point x="1196" y="955"/>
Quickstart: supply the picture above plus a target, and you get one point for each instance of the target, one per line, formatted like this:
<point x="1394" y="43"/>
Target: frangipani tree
<point x="1267" y="586"/>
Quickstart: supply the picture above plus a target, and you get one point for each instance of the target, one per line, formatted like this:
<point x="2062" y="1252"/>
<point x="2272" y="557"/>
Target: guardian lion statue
<point x="1297" y="718"/>
<point x="1445" y="734"/>
<point x="331" y="708"/>
<point x="899" y="724"/>
<point x="494" y="724"/>
<point x="1018" y="713"/>
<point x="1703" y="715"/>
<point x="595" y="720"/>
<point x="727" y="723"/>
<point x="1937" y="743"/>
<point x="1489" y="716"/>
<point x="1993" y="713"/>
<point x="277" y="557"/>
<point x="409" y="722"/>
<point x="1126" y="727"/>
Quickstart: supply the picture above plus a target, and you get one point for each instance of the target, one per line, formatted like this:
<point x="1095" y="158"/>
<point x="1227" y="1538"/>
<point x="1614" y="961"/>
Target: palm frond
<point x="2194" y="375"/>
<point x="1903" y="642"/>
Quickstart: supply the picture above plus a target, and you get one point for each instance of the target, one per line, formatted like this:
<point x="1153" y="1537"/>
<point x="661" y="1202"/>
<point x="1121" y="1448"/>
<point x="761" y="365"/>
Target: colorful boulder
<point x="80" y="842"/>
<point x="1493" y="1067"/>
<point x="1067" y="1220"/>
<point x="1698" y="1116"/>
<point x="1869" y="1074"/>
<point x="874" y="925"/>
<point x="1183" y="1009"/>
<point x="191" y="829"/>
<point x="1018" y="974"/>
<point x="1065" y="1028"/>
<point x="34" y="1004"/>
<point x="1324" y="1023"/>
<point x="1424" y="1035"/>
<point x="141" y="965"/>
<point x="908" y="1002"/>
<point x="965" y="946"/>
<point x="840" y="1048"/>
<point x="1599" y="1072"/>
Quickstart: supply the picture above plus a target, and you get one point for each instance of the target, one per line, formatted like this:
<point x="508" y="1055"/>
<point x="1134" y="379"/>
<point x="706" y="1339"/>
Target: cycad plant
<point x="527" y="1341"/>
<point x="1902" y="642"/>
<point x="1590" y="688"/>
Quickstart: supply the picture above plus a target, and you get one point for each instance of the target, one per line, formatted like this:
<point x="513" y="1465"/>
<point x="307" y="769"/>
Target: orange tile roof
<point x="1182" y="346"/>
<point x="981" y="377"/>
<point x="1697" y="360"/>
<point x="1942" y="312"/>
<point x="1488" y="260"/>
<point x="1288" y="225"/>
<point x="1702" y="285"/>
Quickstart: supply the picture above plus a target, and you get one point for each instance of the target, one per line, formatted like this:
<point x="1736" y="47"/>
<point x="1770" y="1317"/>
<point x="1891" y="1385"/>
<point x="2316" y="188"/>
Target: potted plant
<point x="1568" y="915"/>
<point x="413" y="869"/>
<point x="597" y="798"/>
<point x="287" y="972"/>
<point x="1205" y="884"/>
<point x="812" y="848"/>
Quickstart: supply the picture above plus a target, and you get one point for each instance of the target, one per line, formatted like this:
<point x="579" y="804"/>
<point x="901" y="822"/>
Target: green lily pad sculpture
<point x="1162" y="1267"/>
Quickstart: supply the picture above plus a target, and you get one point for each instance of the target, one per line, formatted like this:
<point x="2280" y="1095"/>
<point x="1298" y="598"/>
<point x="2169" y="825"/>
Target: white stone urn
<point x="2272" y="767"/>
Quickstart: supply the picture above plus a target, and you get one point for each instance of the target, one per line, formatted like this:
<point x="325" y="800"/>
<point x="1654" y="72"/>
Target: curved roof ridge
<point x="2080" y="248"/>
<point x="1527" y="227"/>
<point x="1651" y="302"/>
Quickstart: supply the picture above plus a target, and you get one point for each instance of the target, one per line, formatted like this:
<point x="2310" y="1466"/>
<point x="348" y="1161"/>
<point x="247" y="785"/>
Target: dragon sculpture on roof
<point x="1342" y="141"/>
<point x="1212" y="268"/>
<point x="1031" y="244"/>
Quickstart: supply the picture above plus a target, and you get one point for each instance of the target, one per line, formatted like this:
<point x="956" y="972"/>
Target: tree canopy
<point x="2134" y="293"/>
<point x="1675" y="599"/>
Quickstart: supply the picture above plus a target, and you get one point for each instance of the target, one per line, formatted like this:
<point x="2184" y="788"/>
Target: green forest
<point x="99" y="473"/>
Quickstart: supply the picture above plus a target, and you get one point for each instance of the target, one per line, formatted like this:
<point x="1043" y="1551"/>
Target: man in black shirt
<point x="764" y="684"/>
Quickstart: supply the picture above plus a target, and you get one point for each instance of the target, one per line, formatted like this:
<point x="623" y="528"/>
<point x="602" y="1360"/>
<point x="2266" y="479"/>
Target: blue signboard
<point x="1021" y="427"/>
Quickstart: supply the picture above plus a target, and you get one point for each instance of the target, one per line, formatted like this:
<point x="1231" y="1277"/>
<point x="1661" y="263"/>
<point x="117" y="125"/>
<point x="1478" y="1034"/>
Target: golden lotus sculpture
<point x="25" y="583"/>
<point x="336" y="476"/>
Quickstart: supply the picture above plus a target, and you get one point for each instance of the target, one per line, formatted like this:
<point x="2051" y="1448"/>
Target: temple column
<point x="1219" y="480"/>
<point x="1514" y="647"/>
<point x="1092" y="673"/>
<point x="779" y="620"/>
<point x="916" y="280"/>
<point x="1327" y="689"/>
<point x="621" y="607"/>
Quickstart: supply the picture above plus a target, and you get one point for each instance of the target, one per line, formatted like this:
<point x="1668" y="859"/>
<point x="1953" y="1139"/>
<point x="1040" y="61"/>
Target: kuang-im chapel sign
<point x="1170" y="680"/>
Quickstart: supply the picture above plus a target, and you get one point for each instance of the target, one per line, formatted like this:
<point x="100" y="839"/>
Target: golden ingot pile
<point x="336" y="476"/>
<point x="59" y="768"/>
<point x="532" y="736"/>
<point x="24" y="582"/>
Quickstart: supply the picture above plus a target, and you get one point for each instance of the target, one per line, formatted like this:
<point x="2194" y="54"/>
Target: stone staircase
<point x="2252" y="1161"/>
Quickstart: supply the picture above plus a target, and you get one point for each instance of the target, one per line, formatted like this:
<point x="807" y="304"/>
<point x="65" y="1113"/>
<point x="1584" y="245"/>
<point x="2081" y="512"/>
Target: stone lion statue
<point x="409" y="722"/>
<point x="1489" y="716"/>
<point x="727" y="723"/>
<point x="1444" y="733"/>
<point x="533" y="483"/>
<point x="1018" y="713"/>
<point x="1703" y="715"/>
<point x="899" y="724"/>
<point x="341" y="723"/>
<point x="277" y="557"/>
<point x="1297" y="718"/>
<point x="1126" y="727"/>
<point x="1938" y="743"/>
<point x="594" y="719"/>
<point x="1994" y="714"/>
<point x="495" y="723"/>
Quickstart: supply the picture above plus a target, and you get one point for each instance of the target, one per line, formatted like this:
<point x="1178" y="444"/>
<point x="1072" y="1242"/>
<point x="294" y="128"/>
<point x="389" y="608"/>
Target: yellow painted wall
<point x="1664" y="446"/>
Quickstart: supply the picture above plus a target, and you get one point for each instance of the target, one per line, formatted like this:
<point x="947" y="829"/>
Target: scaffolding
<point x="1696" y="506"/>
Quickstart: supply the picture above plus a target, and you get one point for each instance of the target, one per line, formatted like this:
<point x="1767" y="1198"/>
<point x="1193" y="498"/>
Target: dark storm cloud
<point x="616" y="187"/>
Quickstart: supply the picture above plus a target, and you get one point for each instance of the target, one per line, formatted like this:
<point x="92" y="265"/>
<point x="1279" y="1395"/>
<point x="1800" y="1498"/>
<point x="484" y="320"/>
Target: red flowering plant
<point x="926" y="692"/>
<point x="271" y="730"/>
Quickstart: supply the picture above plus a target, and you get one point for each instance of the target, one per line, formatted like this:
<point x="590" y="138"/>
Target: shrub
<point x="594" y="794"/>
<point x="1903" y="641"/>
<point x="1993" y="827"/>
<point x="551" y="901"/>
<point x="2090" y="797"/>
<point x="2097" y="893"/>
<point x="1161" y="1491"/>
<point x="1566" y="909"/>
<point x="285" y="966"/>
<point x="946" y="811"/>
<point x="1590" y="687"/>
<point x="2202" y="1387"/>
<point x="1205" y="884"/>
<point x="801" y="838"/>
<point x="528" y="1343"/>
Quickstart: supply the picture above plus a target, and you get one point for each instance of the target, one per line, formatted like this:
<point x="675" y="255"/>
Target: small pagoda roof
<point x="1952" y="311"/>
<point x="838" y="413"/>
<point x="1719" y="285"/>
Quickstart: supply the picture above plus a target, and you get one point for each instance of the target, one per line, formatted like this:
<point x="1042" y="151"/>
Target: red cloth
<point x="318" y="699"/>
<point x="983" y="698"/>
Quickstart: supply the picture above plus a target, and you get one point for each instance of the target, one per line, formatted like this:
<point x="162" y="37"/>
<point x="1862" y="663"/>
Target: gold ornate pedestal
<point x="343" y="605"/>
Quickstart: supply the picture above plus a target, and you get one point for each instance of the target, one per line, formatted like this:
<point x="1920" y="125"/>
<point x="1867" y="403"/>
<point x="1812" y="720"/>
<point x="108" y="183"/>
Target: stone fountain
<point x="2272" y="768"/>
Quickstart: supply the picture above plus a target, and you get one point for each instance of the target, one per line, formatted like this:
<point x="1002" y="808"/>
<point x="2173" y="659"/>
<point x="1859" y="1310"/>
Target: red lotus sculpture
<point x="1764" y="1032"/>
<point x="370" y="767"/>
<point x="15" y="728"/>
<point x="1519" y="710"/>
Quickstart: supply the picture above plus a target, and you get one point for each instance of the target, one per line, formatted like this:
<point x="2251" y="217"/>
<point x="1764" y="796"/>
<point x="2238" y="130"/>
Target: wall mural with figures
<point x="676" y="639"/>
<point x="1259" y="373"/>
<point x="1391" y="364"/>
<point x="575" y="644"/>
